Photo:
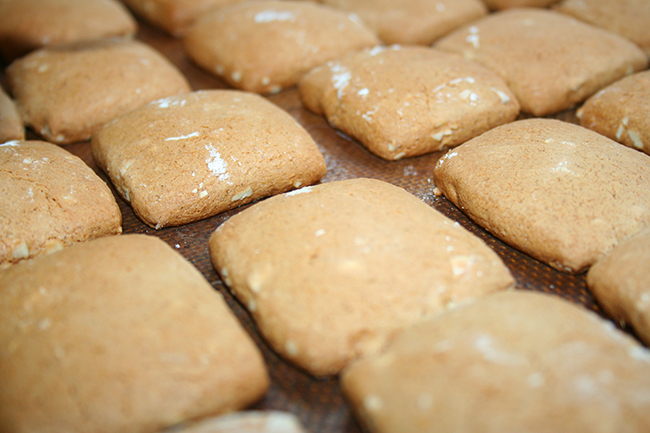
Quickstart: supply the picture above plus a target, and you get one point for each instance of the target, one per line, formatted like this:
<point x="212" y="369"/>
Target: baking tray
<point x="319" y="403"/>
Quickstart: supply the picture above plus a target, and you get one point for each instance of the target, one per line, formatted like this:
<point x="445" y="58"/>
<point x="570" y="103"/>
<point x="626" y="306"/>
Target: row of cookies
<point x="292" y="349"/>
<point x="338" y="280"/>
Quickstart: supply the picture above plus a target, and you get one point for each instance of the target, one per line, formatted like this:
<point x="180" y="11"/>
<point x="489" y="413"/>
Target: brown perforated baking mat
<point x="319" y="403"/>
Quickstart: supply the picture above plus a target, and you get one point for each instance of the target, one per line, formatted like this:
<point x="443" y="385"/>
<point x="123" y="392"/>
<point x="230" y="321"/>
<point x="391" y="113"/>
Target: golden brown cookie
<point x="620" y="111"/>
<point x="557" y="191"/>
<point x="174" y="16"/>
<point x="619" y="281"/>
<point x="628" y="18"/>
<point x="266" y="46"/>
<point x="11" y="124"/>
<point x="66" y="93"/>
<point x="412" y="21"/>
<point x="188" y="157"/>
<point x="329" y="272"/>
<point x="50" y="199"/>
<point x="510" y="362"/>
<point x="127" y="335"/>
<point x="407" y="101"/>
<point x="27" y="25"/>
<point x="550" y="60"/>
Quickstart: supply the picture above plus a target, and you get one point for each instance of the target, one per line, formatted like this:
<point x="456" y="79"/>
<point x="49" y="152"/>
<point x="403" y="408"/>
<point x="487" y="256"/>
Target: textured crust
<point x="412" y="21"/>
<point x="266" y="46"/>
<point x="188" y="157"/>
<point x="559" y="192"/>
<point x="628" y="18"/>
<point x="620" y="111"/>
<point x="27" y="25"/>
<point x="511" y="362"/>
<point x="11" y="125"/>
<point x="406" y="101"/>
<point x="550" y="60"/>
<point x="329" y="272"/>
<point x="132" y="338"/>
<point x="50" y="199"/>
<point x="619" y="281"/>
<point x="65" y="94"/>
<point x="174" y="16"/>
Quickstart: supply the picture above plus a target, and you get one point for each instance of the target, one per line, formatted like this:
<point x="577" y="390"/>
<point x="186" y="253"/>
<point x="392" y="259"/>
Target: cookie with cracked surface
<point x="620" y="111"/>
<point x="128" y="336"/>
<point x="628" y="18"/>
<point x="50" y="199"/>
<point x="267" y="46"/>
<point x="188" y="157"/>
<point x="619" y="281"/>
<point x="513" y="361"/>
<point x="407" y="101"/>
<point x="412" y="21"/>
<point x="557" y="191"/>
<point x="550" y="61"/>
<point x="329" y="272"/>
<point x="66" y="93"/>
<point x="27" y="25"/>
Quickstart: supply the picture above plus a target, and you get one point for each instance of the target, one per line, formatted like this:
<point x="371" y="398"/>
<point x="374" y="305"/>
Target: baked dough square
<point x="188" y="157"/>
<point x="267" y="46"/>
<point x="50" y="199"/>
<point x="619" y="281"/>
<point x="407" y="101"/>
<point x="174" y="16"/>
<point x="550" y="61"/>
<point x="27" y="25"/>
<point x="66" y="93"/>
<point x="511" y="362"/>
<point x="412" y="21"/>
<point x="329" y="272"/>
<point x="620" y="111"/>
<point x="126" y="334"/>
<point x="11" y="124"/>
<point x="628" y="18"/>
<point x="557" y="191"/>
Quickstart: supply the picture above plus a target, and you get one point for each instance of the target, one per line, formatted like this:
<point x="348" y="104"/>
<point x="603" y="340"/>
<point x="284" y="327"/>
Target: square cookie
<point x="120" y="334"/>
<point x="620" y="283"/>
<point x="267" y="46"/>
<point x="188" y="157"/>
<point x="330" y="272"/>
<point x="621" y="111"/>
<point x="628" y="18"/>
<point x="27" y="25"/>
<point x="406" y="101"/>
<point x="174" y="16"/>
<point x="510" y="362"/>
<point x="557" y="191"/>
<point x="50" y="199"/>
<point x="550" y="60"/>
<point x="66" y="93"/>
<point x="412" y="21"/>
<point x="11" y="124"/>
